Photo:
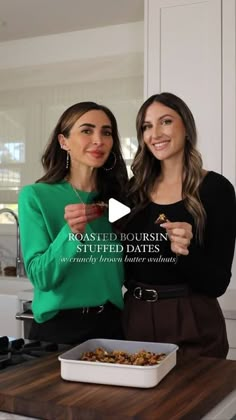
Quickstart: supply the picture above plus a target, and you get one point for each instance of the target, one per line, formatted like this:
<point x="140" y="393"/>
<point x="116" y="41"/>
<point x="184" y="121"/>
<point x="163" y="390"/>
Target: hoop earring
<point x="114" y="163"/>
<point x="67" y="160"/>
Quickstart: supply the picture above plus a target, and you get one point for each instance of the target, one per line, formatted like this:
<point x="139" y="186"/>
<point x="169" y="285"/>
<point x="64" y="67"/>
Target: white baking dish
<point x="73" y="369"/>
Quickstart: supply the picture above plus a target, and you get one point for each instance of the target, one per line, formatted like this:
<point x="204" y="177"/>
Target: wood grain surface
<point x="188" y="392"/>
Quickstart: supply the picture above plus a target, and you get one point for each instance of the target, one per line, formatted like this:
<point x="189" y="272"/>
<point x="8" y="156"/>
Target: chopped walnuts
<point x="141" y="358"/>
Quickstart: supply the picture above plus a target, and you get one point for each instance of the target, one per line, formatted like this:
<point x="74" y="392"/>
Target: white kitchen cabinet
<point x="227" y="303"/>
<point x="10" y="305"/>
<point x="190" y="51"/>
<point x="231" y="333"/>
<point x="232" y="352"/>
<point x="230" y="319"/>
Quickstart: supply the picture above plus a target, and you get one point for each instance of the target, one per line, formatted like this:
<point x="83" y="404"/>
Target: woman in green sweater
<point x="70" y="251"/>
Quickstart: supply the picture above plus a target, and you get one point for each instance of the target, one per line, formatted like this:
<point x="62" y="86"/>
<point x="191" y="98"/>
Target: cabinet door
<point x="183" y="56"/>
<point x="9" y="326"/>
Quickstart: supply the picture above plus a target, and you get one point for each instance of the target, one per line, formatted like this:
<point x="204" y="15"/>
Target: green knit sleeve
<point x="46" y="259"/>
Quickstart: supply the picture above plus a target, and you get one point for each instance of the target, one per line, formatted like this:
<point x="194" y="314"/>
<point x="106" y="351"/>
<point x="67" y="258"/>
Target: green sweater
<point x="67" y="273"/>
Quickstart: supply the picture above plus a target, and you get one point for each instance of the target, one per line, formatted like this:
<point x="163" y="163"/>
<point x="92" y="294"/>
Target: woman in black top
<point x="179" y="238"/>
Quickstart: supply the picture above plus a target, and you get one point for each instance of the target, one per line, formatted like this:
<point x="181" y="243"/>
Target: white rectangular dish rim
<point x="76" y="370"/>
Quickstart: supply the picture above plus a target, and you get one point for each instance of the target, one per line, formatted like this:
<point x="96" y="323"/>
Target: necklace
<point x="100" y="203"/>
<point x="74" y="189"/>
<point x="76" y="193"/>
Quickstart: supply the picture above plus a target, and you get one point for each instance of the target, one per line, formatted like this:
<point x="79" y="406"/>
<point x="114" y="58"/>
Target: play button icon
<point x="116" y="210"/>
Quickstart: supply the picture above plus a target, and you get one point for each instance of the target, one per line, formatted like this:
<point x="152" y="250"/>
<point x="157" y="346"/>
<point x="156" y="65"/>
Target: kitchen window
<point x="27" y="117"/>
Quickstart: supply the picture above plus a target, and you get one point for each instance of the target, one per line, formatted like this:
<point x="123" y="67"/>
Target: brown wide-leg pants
<point x="195" y="323"/>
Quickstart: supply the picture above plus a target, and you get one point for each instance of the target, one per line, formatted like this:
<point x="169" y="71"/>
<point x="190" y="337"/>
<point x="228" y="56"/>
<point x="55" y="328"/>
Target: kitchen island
<point x="189" y="392"/>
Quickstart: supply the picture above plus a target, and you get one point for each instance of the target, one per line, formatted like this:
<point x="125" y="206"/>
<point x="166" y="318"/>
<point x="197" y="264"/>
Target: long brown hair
<point x="147" y="167"/>
<point x="108" y="183"/>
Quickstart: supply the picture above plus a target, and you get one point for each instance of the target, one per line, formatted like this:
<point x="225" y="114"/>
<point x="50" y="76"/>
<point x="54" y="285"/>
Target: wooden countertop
<point x="188" y="392"/>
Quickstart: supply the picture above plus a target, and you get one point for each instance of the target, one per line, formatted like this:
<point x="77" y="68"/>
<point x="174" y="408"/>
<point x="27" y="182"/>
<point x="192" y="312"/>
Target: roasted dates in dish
<point x="141" y="358"/>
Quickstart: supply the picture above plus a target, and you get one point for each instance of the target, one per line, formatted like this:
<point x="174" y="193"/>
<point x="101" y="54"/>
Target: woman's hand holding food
<point x="78" y="215"/>
<point x="180" y="235"/>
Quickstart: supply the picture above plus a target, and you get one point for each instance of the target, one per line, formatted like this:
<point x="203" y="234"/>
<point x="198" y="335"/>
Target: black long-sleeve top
<point x="207" y="268"/>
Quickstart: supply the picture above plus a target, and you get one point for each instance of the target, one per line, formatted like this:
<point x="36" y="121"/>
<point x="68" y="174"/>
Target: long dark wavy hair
<point x="109" y="183"/>
<point x="146" y="167"/>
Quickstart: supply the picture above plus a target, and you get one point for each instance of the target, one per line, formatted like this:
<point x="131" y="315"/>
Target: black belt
<point x="95" y="310"/>
<point x="154" y="293"/>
